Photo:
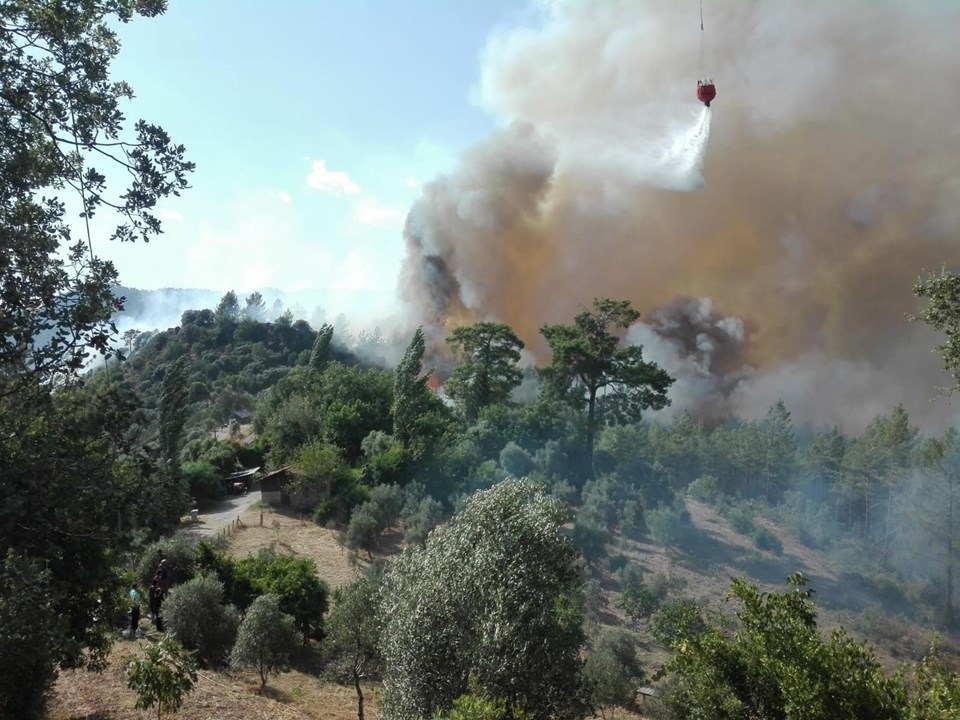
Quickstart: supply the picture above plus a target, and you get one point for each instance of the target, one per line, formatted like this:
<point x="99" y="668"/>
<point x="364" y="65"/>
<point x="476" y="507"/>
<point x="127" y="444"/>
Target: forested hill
<point x="373" y="439"/>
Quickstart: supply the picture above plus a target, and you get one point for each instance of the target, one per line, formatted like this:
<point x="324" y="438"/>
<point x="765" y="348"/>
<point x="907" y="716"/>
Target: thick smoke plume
<point x="830" y="186"/>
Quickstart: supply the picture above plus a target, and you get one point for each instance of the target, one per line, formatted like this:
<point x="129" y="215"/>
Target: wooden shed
<point x="273" y="487"/>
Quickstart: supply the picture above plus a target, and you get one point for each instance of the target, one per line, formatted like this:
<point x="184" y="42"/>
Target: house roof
<point x="242" y="474"/>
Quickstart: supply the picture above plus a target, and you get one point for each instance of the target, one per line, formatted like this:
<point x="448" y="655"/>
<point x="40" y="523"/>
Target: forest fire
<point x="821" y="209"/>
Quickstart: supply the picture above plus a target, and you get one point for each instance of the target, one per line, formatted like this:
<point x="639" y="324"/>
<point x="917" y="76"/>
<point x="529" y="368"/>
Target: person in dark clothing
<point x="156" y="600"/>
<point x="164" y="573"/>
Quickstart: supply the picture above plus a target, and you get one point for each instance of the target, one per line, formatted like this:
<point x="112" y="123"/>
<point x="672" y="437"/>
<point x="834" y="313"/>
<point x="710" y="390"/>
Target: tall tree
<point x="228" y="309"/>
<point x="822" y="462"/>
<point x="942" y="312"/>
<point x="320" y="355"/>
<point x="255" y="309"/>
<point x="62" y="124"/>
<point x="936" y="506"/>
<point x="410" y="389"/>
<point x="491" y="597"/>
<point x="486" y="354"/>
<point x="779" y="448"/>
<point x="60" y="111"/>
<point x="172" y="410"/>
<point x="588" y="359"/>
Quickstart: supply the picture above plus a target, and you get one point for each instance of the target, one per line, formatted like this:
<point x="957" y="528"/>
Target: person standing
<point x="164" y="573"/>
<point x="134" y="611"/>
<point x="156" y="600"/>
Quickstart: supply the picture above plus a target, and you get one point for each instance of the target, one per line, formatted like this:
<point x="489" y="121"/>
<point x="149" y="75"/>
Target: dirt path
<point x="225" y="512"/>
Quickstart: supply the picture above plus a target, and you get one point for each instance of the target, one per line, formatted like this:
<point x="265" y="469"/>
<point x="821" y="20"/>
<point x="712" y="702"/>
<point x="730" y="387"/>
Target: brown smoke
<point x="831" y="185"/>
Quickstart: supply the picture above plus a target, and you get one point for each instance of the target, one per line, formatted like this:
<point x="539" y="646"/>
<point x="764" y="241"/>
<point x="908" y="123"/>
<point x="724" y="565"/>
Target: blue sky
<point x="312" y="124"/>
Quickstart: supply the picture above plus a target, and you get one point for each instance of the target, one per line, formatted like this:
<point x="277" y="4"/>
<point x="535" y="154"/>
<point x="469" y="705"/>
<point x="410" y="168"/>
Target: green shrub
<point x="612" y="668"/>
<point x="386" y="504"/>
<point x="363" y="530"/>
<point x="632" y="522"/>
<point x="565" y="492"/>
<point x="590" y="538"/>
<point x="705" y="489"/>
<point x="179" y="554"/>
<point x="618" y="562"/>
<point x="677" y="620"/>
<point x="764" y="539"/>
<point x="665" y="525"/>
<point x="195" y="615"/>
<point x="419" y="518"/>
<point x="741" y="518"/>
<point x="638" y="603"/>
<point x="202" y="480"/>
<point x="515" y="460"/>
<point x="391" y="465"/>
<point x="630" y="576"/>
<point x="295" y="581"/>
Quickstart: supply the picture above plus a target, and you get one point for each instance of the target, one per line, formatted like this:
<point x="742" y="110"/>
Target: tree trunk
<point x="356" y="684"/>
<point x="591" y="428"/>
<point x="950" y="557"/>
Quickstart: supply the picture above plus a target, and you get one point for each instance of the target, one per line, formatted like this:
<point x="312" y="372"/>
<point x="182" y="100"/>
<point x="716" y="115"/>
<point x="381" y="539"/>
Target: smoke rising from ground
<point x="830" y="186"/>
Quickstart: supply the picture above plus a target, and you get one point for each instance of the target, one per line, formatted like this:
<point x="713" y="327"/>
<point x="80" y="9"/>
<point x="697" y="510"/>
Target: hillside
<point x="697" y="568"/>
<point x="665" y="510"/>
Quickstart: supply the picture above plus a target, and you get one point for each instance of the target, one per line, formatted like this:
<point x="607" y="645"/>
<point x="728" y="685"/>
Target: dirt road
<point x="225" y="512"/>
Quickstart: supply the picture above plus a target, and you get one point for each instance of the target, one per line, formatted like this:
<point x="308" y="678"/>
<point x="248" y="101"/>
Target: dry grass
<point x="297" y="537"/>
<point x="79" y="694"/>
<point x="700" y="569"/>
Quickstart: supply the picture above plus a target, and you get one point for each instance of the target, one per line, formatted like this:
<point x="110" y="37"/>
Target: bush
<point x="665" y="524"/>
<point x="385" y="504"/>
<point x="295" y="581"/>
<point x="638" y="602"/>
<point x="515" y="460"/>
<point x="764" y="539"/>
<point x="632" y="522"/>
<point x="202" y="480"/>
<point x="741" y="518"/>
<point x="322" y="473"/>
<point x="391" y="465"/>
<point x="196" y="616"/>
<point x="630" y="576"/>
<point x="363" y="530"/>
<point x="420" y="518"/>
<point x="618" y="562"/>
<point x="180" y="557"/>
<point x="612" y="668"/>
<point x="705" y="489"/>
<point x="590" y="538"/>
<point x="565" y="492"/>
<point x="163" y="676"/>
<point x="677" y="620"/>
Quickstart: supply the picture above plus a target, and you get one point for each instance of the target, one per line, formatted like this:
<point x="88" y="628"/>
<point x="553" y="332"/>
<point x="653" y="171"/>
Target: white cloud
<point x="168" y="215"/>
<point x="334" y="182"/>
<point x="282" y="196"/>
<point x="369" y="212"/>
<point x="412" y="182"/>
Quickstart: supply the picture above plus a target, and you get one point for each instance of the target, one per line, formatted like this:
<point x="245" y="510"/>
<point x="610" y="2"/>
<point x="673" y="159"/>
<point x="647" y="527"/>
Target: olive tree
<point x="264" y="639"/>
<point x="352" y="645"/>
<point x="490" y="598"/>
